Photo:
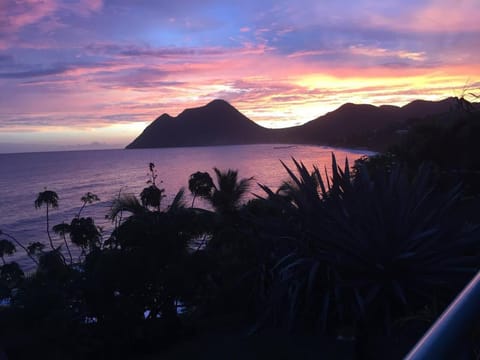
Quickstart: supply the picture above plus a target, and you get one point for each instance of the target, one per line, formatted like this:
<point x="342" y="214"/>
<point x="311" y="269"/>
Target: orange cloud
<point x="381" y="52"/>
<point x="272" y="89"/>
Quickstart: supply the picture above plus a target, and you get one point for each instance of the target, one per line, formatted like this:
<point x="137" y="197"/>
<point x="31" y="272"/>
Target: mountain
<point x="219" y="123"/>
<point x="354" y="124"/>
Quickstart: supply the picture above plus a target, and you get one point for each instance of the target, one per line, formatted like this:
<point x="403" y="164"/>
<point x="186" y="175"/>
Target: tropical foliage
<point x="343" y="254"/>
<point x="369" y="249"/>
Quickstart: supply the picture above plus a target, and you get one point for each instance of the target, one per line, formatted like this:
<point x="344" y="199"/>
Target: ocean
<point x="106" y="173"/>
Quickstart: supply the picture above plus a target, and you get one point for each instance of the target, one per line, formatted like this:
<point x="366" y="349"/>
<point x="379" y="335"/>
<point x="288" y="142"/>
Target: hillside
<point x="219" y="123"/>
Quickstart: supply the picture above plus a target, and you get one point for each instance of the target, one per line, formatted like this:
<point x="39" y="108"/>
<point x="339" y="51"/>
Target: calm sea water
<point x="107" y="172"/>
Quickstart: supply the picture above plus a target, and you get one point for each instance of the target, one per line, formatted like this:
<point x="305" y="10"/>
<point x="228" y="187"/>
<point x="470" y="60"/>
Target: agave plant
<point x="371" y="247"/>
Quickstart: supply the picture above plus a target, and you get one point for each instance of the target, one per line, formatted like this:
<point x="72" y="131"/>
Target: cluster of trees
<point x="373" y="253"/>
<point x="450" y="144"/>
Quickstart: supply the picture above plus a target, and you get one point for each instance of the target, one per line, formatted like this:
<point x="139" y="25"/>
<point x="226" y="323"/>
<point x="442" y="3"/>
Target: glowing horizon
<point x="94" y="73"/>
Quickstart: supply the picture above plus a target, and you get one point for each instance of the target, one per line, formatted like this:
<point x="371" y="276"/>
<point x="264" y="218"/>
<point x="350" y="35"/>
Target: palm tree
<point x="229" y="192"/>
<point x="47" y="198"/>
<point x="128" y="203"/>
<point x="158" y="244"/>
<point x="225" y="198"/>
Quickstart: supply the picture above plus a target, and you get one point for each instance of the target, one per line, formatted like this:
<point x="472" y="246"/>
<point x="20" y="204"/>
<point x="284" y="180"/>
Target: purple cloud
<point x="33" y="73"/>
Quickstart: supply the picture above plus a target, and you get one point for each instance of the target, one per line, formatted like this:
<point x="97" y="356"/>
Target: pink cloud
<point x="462" y="15"/>
<point x="94" y="5"/>
<point x="437" y="16"/>
<point x="4" y="44"/>
<point x="45" y="14"/>
<point x="274" y="89"/>
<point x="22" y="13"/>
<point x="84" y="7"/>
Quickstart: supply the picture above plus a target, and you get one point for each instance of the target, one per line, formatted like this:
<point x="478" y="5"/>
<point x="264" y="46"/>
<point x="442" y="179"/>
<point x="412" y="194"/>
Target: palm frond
<point x="178" y="202"/>
<point x="128" y="203"/>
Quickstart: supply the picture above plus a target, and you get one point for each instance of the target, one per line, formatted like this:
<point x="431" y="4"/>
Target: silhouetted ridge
<point x="164" y="116"/>
<point x="217" y="123"/>
<point x="349" y="107"/>
<point x="359" y="125"/>
<point x="422" y="108"/>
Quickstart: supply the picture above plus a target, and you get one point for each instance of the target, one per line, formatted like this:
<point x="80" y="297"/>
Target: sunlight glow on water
<point x="106" y="172"/>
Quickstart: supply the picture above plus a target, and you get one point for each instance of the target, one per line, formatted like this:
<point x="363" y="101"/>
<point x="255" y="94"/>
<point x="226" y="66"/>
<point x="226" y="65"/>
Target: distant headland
<point x="351" y="125"/>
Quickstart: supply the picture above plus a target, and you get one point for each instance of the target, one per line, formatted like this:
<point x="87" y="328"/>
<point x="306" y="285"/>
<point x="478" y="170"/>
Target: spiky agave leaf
<point x="385" y="241"/>
<point x="178" y="202"/>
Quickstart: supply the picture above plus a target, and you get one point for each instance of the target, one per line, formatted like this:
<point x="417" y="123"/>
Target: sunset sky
<point x="93" y="73"/>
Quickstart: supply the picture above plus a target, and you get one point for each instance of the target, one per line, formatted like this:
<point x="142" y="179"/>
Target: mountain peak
<point x="348" y="105"/>
<point x="217" y="107"/>
<point x="217" y="123"/>
<point x="351" y="108"/>
<point x="164" y="116"/>
<point x="218" y="102"/>
<point x="220" y="105"/>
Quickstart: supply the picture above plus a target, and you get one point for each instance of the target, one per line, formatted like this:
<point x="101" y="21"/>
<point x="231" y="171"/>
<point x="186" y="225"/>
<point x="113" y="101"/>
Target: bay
<point x="107" y="173"/>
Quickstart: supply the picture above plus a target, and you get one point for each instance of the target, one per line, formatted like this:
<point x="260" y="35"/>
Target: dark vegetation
<point x="357" y="264"/>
